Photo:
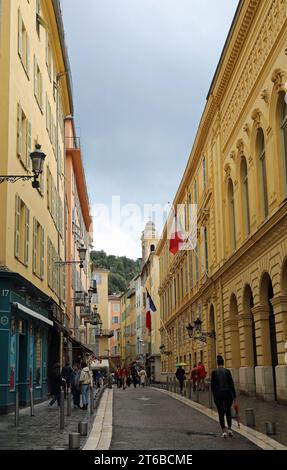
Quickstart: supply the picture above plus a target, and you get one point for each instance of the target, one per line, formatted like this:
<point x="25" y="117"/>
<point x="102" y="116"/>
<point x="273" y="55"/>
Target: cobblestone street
<point x="42" y="431"/>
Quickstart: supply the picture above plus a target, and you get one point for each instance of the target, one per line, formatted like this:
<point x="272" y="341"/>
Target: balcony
<point x="85" y="312"/>
<point x="80" y="299"/>
<point x="104" y="334"/>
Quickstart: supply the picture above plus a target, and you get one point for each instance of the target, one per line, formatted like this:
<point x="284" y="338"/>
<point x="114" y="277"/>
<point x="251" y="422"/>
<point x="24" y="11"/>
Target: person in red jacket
<point x="194" y="376"/>
<point x="201" y="376"/>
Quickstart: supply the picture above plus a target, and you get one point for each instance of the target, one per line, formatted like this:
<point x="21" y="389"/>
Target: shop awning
<point x="32" y="313"/>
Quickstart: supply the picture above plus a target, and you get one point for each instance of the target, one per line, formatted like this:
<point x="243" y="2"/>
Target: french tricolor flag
<point x="150" y="307"/>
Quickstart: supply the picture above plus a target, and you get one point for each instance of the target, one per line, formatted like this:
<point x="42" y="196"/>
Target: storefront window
<point x="38" y="353"/>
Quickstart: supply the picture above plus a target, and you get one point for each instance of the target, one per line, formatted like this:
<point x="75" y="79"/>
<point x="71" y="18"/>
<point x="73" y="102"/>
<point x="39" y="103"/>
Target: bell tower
<point x="149" y="240"/>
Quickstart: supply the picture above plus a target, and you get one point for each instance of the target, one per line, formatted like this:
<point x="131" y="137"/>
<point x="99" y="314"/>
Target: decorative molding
<point x="265" y="95"/>
<point x="278" y="78"/>
<point x="246" y="129"/>
<point x="256" y="116"/>
<point x="256" y="60"/>
<point x="227" y="169"/>
<point x="240" y="146"/>
<point x="232" y="155"/>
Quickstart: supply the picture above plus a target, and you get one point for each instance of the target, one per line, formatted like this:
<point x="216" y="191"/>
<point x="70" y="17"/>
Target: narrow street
<point x="148" y="419"/>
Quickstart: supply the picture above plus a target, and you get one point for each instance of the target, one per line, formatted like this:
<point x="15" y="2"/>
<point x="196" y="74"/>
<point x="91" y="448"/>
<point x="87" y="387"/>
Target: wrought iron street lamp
<point x="37" y="158"/>
<point x="195" y="331"/>
<point x="82" y="255"/>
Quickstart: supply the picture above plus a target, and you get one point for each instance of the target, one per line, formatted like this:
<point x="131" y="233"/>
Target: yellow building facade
<point x="99" y="333"/>
<point x="235" y="281"/>
<point x="35" y="95"/>
<point x="128" y="337"/>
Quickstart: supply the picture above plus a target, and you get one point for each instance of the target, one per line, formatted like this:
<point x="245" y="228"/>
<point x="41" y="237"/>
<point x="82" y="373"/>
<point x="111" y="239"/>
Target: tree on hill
<point x="122" y="269"/>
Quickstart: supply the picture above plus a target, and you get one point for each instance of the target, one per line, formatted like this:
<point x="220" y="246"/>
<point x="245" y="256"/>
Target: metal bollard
<point x="69" y="402"/>
<point x="91" y="401"/>
<point x="270" y="428"/>
<point x="74" y="440"/>
<point x="83" y="428"/>
<point x="250" y="418"/>
<point x="32" y="402"/>
<point x="62" y="409"/>
<point x="16" y="408"/>
<point x="167" y="382"/>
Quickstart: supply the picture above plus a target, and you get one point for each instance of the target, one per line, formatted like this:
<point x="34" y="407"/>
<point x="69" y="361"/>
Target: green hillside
<point x="122" y="269"/>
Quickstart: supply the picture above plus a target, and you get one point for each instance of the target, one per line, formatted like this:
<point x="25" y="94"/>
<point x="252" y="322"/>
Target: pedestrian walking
<point x="67" y="374"/>
<point x="180" y="375"/>
<point x="201" y="376"/>
<point x="118" y="377"/>
<point x="143" y="376"/>
<point x="224" y="394"/>
<point x="85" y="382"/>
<point x="194" y="377"/>
<point x="75" y="385"/>
<point x="134" y="375"/>
<point x="124" y="377"/>
<point x="55" y="384"/>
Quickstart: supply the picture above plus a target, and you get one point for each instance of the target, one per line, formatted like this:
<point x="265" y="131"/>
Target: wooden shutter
<point x="42" y="253"/>
<point x="35" y="78"/>
<point x="41" y="91"/>
<point x="19" y="131"/>
<point x="35" y="233"/>
<point x="28" y="55"/>
<point x="17" y="226"/>
<point x="47" y="127"/>
<point x="26" y="254"/>
<point x="49" y="262"/>
<point x="28" y="144"/>
<point x="20" y="38"/>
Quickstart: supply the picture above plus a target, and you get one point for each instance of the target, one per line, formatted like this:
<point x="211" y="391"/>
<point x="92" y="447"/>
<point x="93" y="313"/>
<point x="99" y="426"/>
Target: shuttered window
<point x="38" y="84"/>
<point x="24" y="131"/>
<point x="38" y="249"/>
<point x="23" y="44"/>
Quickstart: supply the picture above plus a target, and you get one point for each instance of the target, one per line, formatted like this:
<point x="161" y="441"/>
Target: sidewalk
<point x="264" y="411"/>
<point x="42" y="431"/>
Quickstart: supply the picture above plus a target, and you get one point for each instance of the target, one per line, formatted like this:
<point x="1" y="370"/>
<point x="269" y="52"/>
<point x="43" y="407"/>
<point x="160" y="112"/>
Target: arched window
<point x="283" y="132"/>
<point x="262" y="172"/>
<point x="245" y="195"/>
<point x="231" y="208"/>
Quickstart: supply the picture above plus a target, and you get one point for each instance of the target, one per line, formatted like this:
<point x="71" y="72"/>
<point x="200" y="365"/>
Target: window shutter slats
<point x="42" y="254"/>
<point x="28" y="144"/>
<point x="26" y="254"/>
<point x="19" y="131"/>
<point x="17" y="226"/>
<point x="35" y="245"/>
<point x="28" y="55"/>
<point x="20" y="39"/>
<point x="35" y="78"/>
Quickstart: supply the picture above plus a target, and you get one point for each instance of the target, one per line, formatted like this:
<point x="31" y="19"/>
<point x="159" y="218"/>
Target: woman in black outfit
<point x="223" y="390"/>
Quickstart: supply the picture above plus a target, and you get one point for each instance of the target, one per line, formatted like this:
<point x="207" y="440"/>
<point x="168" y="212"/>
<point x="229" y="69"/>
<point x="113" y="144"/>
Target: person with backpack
<point x="222" y="387"/>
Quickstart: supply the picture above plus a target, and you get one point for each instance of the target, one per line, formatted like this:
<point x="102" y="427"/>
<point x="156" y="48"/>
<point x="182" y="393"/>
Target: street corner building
<point x="35" y="95"/>
<point x="232" y="288"/>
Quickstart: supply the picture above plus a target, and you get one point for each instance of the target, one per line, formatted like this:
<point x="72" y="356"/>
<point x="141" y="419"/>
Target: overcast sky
<point x="141" y="71"/>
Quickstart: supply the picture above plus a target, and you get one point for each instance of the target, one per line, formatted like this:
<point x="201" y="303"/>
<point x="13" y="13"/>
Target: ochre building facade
<point x="235" y="280"/>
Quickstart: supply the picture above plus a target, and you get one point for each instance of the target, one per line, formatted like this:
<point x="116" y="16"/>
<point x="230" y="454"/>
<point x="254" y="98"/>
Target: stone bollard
<point x="250" y="418"/>
<point x="83" y="428"/>
<point x="74" y="440"/>
<point x="62" y="409"/>
<point x="270" y="428"/>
